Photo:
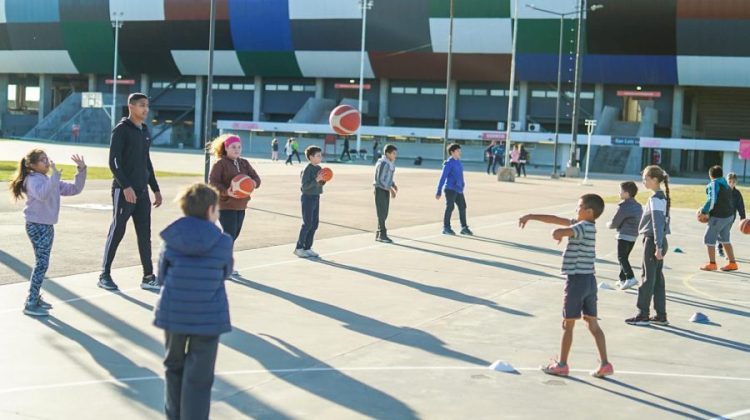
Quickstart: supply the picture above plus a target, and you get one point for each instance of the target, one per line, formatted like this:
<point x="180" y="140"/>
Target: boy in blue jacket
<point x="192" y="308"/>
<point x="452" y="181"/>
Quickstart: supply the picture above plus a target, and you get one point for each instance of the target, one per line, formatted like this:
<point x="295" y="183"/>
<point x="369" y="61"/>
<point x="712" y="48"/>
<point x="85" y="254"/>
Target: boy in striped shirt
<point x="579" y="296"/>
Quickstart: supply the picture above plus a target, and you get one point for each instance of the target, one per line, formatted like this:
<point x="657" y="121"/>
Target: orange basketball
<point x="242" y="186"/>
<point x="345" y="120"/>
<point x="702" y="217"/>
<point x="745" y="226"/>
<point x="326" y="174"/>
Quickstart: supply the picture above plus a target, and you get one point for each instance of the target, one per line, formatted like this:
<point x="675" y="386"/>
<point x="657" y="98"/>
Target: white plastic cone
<point x="502" y="366"/>
<point x="605" y="286"/>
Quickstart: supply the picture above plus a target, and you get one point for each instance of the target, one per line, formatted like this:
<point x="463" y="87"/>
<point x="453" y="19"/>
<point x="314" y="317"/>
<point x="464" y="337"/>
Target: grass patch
<point x="8" y="168"/>
<point x="683" y="196"/>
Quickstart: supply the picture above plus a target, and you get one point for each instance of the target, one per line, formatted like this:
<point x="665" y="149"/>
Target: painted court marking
<point x="734" y="415"/>
<point x="363" y="369"/>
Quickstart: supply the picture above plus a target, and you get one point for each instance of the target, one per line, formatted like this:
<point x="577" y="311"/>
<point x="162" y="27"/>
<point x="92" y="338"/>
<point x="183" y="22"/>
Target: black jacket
<point x="738" y="203"/>
<point x="129" y="158"/>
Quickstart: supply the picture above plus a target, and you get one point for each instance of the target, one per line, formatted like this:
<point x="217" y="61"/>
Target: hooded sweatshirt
<point x="195" y="260"/>
<point x="718" y="199"/>
<point x="43" y="195"/>
<point x="626" y="220"/>
<point x="452" y="177"/>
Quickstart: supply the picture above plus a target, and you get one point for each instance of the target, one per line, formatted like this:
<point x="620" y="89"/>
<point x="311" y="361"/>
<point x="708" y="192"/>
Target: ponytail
<point x="666" y="192"/>
<point x="17" y="187"/>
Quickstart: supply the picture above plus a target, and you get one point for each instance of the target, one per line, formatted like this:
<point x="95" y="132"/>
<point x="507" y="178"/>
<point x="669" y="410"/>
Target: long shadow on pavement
<point x="242" y="401"/>
<point x="20" y="267"/>
<point x="705" y="305"/>
<point x="495" y="264"/>
<point x="405" y="336"/>
<point x="527" y="247"/>
<point x="114" y="362"/>
<point x="706" y="338"/>
<point x="629" y="395"/>
<point x="330" y="384"/>
<point x="425" y="288"/>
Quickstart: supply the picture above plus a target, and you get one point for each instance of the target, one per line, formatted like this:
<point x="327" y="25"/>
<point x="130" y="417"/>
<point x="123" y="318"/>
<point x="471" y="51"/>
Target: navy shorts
<point x="579" y="296"/>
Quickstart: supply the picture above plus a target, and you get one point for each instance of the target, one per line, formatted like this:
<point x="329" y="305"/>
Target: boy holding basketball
<point x="579" y="296"/>
<point x="720" y="213"/>
<point x="385" y="189"/>
<point x="192" y="308"/>
<point x="452" y="182"/>
<point x="312" y="188"/>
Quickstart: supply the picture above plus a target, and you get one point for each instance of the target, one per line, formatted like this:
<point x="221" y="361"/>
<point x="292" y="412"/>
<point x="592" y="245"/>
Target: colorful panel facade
<point x="195" y="62"/>
<point x="332" y="64"/>
<point x="195" y="9"/>
<point x="714" y="71"/>
<point x="91" y="45"/>
<point x="327" y="34"/>
<point x="84" y="11"/>
<point x="471" y="9"/>
<point x="32" y="11"/>
<point x="324" y="9"/>
<point x="138" y="10"/>
<point x="714" y="9"/>
<point x="270" y="63"/>
<point x="410" y="32"/>
<point x="36" y="62"/>
<point x="475" y="35"/>
<point x="625" y="28"/>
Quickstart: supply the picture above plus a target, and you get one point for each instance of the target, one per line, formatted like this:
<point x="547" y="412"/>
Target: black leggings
<point x="231" y="221"/>
<point x="623" y="254"/>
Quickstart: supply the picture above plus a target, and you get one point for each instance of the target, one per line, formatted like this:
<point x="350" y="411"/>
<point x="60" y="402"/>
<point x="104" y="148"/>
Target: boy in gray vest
<point x="385" y="189"/>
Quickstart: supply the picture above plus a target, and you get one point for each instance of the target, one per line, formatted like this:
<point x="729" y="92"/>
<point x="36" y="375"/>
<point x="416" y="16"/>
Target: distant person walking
<point x="274" y="149"/>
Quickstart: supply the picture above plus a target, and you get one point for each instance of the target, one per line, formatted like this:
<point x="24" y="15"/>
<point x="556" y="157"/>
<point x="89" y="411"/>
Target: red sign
<point x="744" y="149"/>
<point x="639" y="93"/>
<point x="129" y="82"/>
<point x="493" y="136"/>
<point x="366" y="86"/>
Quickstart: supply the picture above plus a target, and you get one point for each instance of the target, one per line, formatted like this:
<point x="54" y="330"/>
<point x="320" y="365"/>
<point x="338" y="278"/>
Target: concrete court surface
<point x="389" y="331"/>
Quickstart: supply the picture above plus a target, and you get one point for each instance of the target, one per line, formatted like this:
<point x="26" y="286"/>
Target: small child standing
<point x="227" y="150"/>
<point x="579" y="296"/>
<point x="312" y="188"/>
<point x="385" y="189"/>
<point x="625" y="221"/>
<point x="654" y="227"/>
<point x="738" y="203"/>
<point x="41" y="212"/>
<point x="720" y="210"/>
<point x="452" y="181"/>
<point x="192" y="308"/>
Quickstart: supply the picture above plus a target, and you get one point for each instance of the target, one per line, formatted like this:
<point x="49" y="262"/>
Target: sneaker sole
<point x="639" y="323"/>
<point x="708" y="269"/>
<point x="601" y="375"/>
<point x="562" y="375"/>
<point x="101" y="286"/>
<point x="31" y="313"/>
<point x="662" y="324"/>
<point x="728" y="270"/>
<point x="150" y="287"/>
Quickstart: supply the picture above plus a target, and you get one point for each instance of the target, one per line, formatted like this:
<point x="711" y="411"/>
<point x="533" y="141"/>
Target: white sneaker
<point x="629" y="283"/>
<point x="301" y="253"/>
<point x="235" y="275"/>
<point x="312" y="254"/>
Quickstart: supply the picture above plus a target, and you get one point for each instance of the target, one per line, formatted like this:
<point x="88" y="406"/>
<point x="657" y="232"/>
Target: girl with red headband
<point x="227" y="150"/>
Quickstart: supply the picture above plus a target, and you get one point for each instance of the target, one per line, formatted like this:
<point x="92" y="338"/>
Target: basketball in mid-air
<point x="745" y="226"/>
<point x="242" y="185"/>
<point x="345" y="120"/>
<point x="326" y="174"/>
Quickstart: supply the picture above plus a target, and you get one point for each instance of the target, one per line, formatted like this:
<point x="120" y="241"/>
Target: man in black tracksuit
<point x="133" y="173"/>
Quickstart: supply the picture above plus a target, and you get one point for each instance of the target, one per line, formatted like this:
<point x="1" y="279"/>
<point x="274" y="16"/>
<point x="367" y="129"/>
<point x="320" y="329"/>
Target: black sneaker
<point x="466" y="231"/>
<point x="44" y="304"/>
<point x="659" y="320"/>
<point x="448" y="231"/>
<point x="384" y="239"/>
<point x="106" y="282"/>
<point x="640" y="320"/>
<point x="33" y="309"/>
<point x="150" y="282"/>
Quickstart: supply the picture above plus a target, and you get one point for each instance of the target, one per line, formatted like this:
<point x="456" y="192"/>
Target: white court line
<point x="296" y="260"/>
<point x="732" y="415"/>
<point x="359" y="369"/>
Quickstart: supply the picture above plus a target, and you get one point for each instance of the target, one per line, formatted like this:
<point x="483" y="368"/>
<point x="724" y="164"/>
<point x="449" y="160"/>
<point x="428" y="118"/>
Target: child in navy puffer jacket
<point x="192" y="308"/>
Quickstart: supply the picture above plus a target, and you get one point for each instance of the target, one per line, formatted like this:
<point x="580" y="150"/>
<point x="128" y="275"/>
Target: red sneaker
<point x="556" y="369"/>
<point x="709" y="267"/>
<point x="604" y="370"/>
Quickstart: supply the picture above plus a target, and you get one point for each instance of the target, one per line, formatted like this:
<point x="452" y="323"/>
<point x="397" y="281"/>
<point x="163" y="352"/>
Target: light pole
<point x="559" y="81"/>
<point x="506" y="174"/>
<point x="207" y="121"/>
<point x="573" y="170"/>
<point x="590" y="124"/>
<point x="365" y="5"/>
<point x="448" y="72"/>
<point x="117" y="24"/>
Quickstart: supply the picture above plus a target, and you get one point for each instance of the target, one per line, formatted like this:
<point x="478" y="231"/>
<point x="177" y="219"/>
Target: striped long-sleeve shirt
<point x="384" y="171"/>
<point x="580" y="253"/>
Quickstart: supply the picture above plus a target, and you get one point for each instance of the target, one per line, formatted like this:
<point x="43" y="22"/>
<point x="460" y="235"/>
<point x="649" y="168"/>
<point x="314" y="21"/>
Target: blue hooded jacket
<point x="195" y="260"/>
<point x="452" y="177"/>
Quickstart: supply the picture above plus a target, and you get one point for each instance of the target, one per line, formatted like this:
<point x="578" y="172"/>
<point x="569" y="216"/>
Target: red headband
<point x="231" y="140"/>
